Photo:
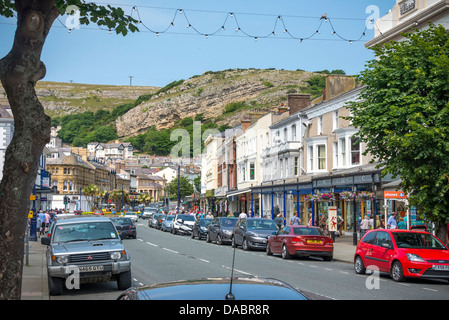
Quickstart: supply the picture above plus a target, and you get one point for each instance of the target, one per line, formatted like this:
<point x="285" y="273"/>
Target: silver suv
<point x="88" y="248"/>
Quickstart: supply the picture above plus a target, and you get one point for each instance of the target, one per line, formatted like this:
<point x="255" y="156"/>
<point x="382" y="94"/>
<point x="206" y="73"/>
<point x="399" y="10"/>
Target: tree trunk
<point x="19" y="72"/>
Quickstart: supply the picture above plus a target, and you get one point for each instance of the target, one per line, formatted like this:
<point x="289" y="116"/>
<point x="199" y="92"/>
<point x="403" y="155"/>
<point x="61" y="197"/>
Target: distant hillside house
<point x="110" y="151"/>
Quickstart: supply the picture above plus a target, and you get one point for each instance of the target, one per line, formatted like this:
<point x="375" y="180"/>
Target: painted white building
<point x="407" y="15"/>
<point x="106" y="151"/>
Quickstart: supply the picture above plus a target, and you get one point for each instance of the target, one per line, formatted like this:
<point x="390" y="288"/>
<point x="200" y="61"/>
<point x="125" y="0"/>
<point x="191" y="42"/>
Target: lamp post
<point x="179" y="196"/>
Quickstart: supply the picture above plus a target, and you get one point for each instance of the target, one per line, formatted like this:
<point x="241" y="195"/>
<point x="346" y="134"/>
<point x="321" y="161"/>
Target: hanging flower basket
<point x="365" y="196"/>
<point x="327" y="197"/>
<point x="347" y="195"/>
<point x="312" y="197"/>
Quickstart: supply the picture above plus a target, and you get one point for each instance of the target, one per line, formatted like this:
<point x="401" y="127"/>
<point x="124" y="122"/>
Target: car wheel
<point x="219" y="241"/>
<point x="359" y="267"/>
<point x="55" y="286"/>
<point x="245" y="245"/>
<point x="124" y="280"/>
<point x="268" y="250"/>
<point x="208" y="238"/>
<point x="285" y="254"/>
<point x="397" y="274"/>
<point x="328" y="258"/>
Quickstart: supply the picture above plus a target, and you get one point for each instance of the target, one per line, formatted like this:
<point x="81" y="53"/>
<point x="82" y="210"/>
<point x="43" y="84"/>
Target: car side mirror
<point x="387" y="245"/>
<point x="45" y="240"/>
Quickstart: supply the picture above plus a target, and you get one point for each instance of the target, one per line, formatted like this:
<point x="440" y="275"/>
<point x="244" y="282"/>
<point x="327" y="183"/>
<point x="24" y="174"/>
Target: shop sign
<point x="394" y="195"/>
<point x="243" y="198"/>
<point x="407" y="6"/>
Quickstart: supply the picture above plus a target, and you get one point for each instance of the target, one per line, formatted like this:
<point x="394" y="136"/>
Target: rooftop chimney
<point x="337" y="85"/>
<point x="298" y="101"/>
<point x="282" y="108"/>
<point x="246" y="123"/>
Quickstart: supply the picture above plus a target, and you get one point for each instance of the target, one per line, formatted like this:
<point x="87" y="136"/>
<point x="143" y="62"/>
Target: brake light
<point x="330" y="240"/>
<point x="296" y="240"/>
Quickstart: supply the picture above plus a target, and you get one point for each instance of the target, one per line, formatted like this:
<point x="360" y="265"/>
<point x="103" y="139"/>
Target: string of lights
<point x="239" y="30"/>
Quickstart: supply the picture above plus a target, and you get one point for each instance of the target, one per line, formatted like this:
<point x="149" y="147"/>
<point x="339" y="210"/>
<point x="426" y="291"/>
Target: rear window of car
<point x="308" y="232"/>
<point x="122" y="221"/>
<point x="369" y="238"/>
<point x="229" y="222"/>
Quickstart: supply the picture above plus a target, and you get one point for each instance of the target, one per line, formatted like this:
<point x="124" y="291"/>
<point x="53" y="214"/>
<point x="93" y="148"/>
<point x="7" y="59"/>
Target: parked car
<point x="403" y="254"/>
<point x="182" y="224"/>
<point x="216" y="289"/>
<point x="301" y="241"/>
<point x="125" y="227"/>
<point x="220" y="230"/>
<point x="166" y="225"/>
<point x="153" y="221"/>
<point x="148" y="212"/>
<point x="90" y="244"/>
<point x="132" y="215"/>
<point x="199" y="228"/>
<point x="160" y="221"/>
<point x="253" y="233"/>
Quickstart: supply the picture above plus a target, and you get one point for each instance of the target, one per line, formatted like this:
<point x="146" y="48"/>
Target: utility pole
<point x="130" y="80"/>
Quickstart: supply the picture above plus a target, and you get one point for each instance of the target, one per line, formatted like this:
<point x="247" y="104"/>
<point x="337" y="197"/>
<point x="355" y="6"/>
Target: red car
<point x="402" y="253"/>
<point x="301" y="241"/>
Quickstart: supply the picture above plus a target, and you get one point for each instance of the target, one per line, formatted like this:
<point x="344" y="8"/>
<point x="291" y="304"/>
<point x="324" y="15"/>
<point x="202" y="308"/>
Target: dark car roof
<point x="217" y="289"/>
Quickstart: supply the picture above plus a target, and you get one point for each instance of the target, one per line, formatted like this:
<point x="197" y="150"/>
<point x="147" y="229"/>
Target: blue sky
<point x="92" y="55"/>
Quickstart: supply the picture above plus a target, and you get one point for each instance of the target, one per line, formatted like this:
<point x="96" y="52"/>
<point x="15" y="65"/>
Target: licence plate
<point x="91" y="268"/>
<point x="314" y="241"/>
<point x="441" y="268"/>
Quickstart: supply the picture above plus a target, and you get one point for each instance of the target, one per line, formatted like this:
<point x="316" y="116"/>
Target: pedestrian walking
<point x="279" y="220"/>
<point x="294" y="220"/>
<point x="365" y="225"/>
<point x="243" y="215"/>
<point x="392" y="223"/>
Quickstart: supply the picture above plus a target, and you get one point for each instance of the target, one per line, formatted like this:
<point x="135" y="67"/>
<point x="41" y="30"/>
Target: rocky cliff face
<point x="209" y="94"/>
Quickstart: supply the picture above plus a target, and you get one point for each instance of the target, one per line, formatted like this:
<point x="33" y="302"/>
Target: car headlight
<point x="116" y="255"/>
<point x="203" y="229"/>
<point x="252" y="234"/>
<point x="414" y="257"/>
<point x="62" y="259"/>
<point x="227" y="232"/>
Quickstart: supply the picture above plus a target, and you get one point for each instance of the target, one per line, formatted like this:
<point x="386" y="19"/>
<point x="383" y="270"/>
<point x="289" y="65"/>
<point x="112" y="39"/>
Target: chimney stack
<point x="298" y="101"/>
<point x="282" y="108"/>
<point x="246" y="123"/>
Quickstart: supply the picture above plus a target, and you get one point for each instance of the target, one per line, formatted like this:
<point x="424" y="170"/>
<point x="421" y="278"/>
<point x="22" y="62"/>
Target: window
<point x="282" y="166"/>
<point x="342" y="152"/>
<point x="320" y="125"/>
<point x="294" y="132"/>
<point x="285" y="135"/>
<point x="310" y="158"/>
<point x="296" y="166"/>
<point x="252" y="171"/>
<point x="335" y="154"/>
<point x="355" y="151"/>
<point x="321" y="157"/>
<point x="335" y="122"/>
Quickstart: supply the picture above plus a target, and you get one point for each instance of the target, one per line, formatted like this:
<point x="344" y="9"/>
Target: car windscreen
<point x="417" y="241"/>
<point x="84" y="231"/>
<point x="122" y="221"/>
<point x="169" y="218"/>
<point x="229" y="223"/>
<point x="262" y="224"/>
<point x="186" y="217"/>
<point x="205" y="222"/>
<point x="308" y="232"/>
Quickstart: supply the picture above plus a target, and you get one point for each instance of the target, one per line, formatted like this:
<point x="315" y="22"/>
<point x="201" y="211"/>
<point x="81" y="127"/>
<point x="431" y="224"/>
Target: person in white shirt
<point x="243" y="215"/>
<point x="365" y="225"/>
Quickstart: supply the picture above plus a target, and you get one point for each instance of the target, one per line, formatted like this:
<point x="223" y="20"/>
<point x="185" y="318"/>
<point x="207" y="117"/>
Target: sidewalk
<point x="34" y="276"/>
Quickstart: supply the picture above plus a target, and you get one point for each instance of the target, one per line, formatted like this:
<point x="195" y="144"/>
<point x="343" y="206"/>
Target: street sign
<point x="33" y="197"/>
